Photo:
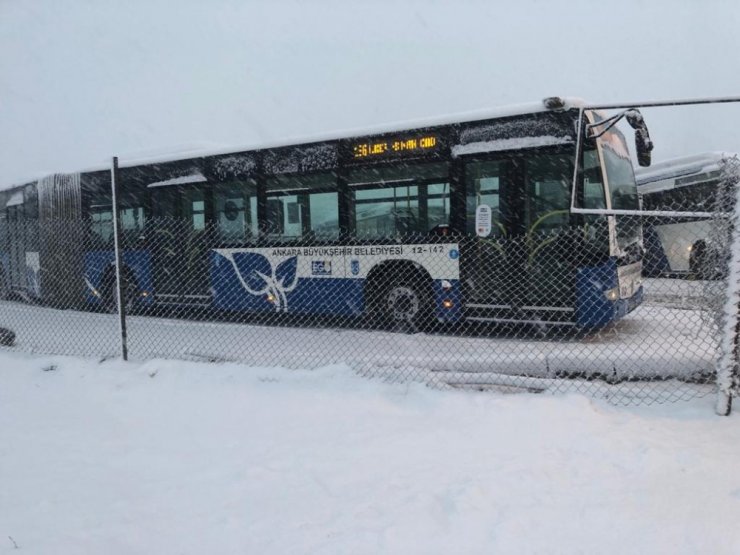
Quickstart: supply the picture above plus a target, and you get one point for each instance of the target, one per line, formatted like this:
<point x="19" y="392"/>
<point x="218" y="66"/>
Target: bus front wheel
<point x="406" y="305"/>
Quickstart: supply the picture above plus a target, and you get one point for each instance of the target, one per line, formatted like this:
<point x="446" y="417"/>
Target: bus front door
<point x="550" y="245"/>
<point x="520" y="268"/>
<point x="178" y="244"/>
<point x="492" y="265"/>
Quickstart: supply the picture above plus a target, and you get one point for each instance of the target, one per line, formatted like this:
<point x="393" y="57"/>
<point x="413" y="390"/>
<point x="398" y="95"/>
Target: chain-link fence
<point x="636" y="304"/>
<point x="549" y="309"/>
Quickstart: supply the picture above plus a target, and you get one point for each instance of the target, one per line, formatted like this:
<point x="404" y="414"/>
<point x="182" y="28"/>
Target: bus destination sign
<point x="395" y="146"/>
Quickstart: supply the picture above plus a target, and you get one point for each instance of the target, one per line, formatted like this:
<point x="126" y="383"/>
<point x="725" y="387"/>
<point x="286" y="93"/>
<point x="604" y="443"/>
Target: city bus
<point x="464" y="218"/>
<point x="698" y="183"/>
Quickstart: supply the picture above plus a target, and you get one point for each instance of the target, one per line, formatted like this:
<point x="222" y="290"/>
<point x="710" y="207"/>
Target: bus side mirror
<point x="643" y="147"/>
<point x="643" y="142"/>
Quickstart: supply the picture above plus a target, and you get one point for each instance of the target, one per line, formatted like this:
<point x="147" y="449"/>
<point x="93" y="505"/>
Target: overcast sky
<point x="81" y="81"/>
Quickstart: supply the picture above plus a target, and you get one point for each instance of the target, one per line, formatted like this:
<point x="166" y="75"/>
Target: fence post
<point x="728" y="364"/>
<point x="117" y="249"/>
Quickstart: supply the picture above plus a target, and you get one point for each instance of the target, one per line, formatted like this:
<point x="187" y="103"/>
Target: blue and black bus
<point x="465" y="218"/>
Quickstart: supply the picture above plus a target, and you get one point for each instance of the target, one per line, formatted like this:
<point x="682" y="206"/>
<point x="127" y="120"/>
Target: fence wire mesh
<point x="548" y="310"/>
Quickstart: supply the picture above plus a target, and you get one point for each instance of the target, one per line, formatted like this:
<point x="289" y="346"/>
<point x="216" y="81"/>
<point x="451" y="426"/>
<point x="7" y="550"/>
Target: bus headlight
<point x="612" y="294"/>
<point x="447" y="303"/>
<point x="446" y="285"/>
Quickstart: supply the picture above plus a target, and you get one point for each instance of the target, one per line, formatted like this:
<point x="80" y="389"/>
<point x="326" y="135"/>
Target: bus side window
<point x="236" y="211"/>
<point x="102" y="225"/>
<point x="303" y="205"/>
<point x="547" y="199"/>
<point x="393" y="201"/>
<point x="386" y="211"/>
<point x="194" y="208"/>
<point x="438" y="205"/>
<point x="132" y="224"/>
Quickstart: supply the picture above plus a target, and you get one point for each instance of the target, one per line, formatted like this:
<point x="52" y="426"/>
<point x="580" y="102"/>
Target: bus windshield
<point x="622" y="187"/>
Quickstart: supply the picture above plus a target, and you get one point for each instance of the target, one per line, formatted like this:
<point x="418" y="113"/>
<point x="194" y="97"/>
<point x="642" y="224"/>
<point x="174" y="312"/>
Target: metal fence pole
<point x="117" y="248"/>
<point x="727" y="367"/>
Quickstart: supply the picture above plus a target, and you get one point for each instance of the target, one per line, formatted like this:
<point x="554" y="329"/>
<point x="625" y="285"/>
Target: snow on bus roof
<point x="196" y="151"/>
<point x="196" y="177"/>
<point x="491" y="113"/>
<point x="683" y="166"/>
<point x="498" y="145"/>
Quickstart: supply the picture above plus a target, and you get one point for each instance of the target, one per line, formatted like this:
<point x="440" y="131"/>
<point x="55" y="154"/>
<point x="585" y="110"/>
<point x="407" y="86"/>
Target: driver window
<point x="593" y="185"/>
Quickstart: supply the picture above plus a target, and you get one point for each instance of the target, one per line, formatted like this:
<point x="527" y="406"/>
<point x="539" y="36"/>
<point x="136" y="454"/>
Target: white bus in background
<point x="699" y="183"/>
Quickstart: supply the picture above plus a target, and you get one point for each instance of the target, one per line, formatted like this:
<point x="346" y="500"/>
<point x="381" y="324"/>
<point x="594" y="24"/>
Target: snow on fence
<point x="539" y="312"/>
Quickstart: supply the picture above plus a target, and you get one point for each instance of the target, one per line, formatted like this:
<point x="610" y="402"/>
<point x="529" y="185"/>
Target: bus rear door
<point x="178" y="241"/>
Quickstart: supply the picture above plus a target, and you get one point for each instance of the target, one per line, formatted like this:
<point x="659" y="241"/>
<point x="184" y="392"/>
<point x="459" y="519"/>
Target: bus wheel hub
<point x="403" y="303"/>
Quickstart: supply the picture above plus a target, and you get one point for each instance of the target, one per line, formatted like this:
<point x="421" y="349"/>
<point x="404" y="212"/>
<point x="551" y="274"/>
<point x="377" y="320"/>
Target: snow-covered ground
<point x="185" y="457"/>
<point x="667" y="337"/>
<point x="653" y="342"/>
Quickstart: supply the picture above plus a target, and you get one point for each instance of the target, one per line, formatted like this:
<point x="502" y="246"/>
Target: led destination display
<point x="394" y="146"/>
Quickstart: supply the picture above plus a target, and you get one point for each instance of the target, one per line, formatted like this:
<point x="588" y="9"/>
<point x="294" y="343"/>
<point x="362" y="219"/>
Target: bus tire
<point x="698" y="261"/>
<point x="130" y="292"/>
<point x="407" y="305"/>
<point x="7" y="337"/>
<point x="4" y="286"/>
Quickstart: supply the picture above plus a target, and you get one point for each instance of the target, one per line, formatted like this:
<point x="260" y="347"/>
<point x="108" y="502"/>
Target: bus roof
<point x="662" y="174"/>
<point x="184" y="153"/>
<point x="464" y="117"/>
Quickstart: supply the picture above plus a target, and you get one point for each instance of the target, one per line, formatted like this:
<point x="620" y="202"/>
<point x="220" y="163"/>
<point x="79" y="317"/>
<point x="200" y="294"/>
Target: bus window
<point x="438" y="204"/>
<point x="483" y="184"/>
<point x="236" y="211"/>
<point x="386" y="212"/>
<point x="392" y="201"/>
<point x="621" y="180"/>
<point x="194" y="208"/>
<point x="101" y="217"/>
<point x="593" y="184"/>
<point x="132" y="219"/>
<point x="547" y="201"/>
<point x="132" y="225"/>
<point x="323" y="208"/>
<point x="299" y="206"/>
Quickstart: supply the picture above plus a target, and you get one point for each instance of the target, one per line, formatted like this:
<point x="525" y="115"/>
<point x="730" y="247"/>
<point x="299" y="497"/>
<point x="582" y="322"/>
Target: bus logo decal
<point x="260" y="278"/>
<point x="355" y="267"/>
<point x="321" y="267"/>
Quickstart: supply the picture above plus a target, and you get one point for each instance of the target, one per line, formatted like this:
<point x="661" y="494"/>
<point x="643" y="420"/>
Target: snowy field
<point x="185" y="457"/>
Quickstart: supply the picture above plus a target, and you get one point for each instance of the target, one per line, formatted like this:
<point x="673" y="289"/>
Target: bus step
<point x="561" y="316"/>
